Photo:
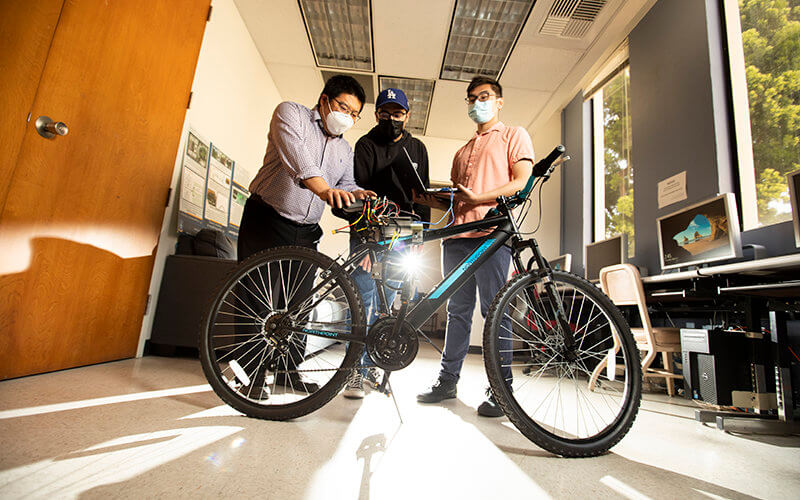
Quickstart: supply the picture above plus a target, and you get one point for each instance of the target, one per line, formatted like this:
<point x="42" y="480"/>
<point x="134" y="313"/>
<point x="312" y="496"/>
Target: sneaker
<point x="355" y="385"/>
<point x="439" y="391"/>
<point x="490" y="408"/>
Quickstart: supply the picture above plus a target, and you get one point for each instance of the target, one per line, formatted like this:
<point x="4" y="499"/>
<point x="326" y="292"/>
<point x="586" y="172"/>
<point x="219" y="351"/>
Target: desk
<point x="759" y="288"/>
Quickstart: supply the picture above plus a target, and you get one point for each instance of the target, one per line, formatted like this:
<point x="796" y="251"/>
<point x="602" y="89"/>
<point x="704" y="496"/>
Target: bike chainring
<point x="390" y="351"/>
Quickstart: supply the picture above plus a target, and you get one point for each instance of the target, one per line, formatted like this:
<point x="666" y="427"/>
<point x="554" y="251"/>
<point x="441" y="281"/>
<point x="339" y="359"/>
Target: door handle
<point x="48" y="129"/>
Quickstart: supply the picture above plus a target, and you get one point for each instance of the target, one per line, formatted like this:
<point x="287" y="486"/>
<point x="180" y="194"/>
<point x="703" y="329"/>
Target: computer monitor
<point x="604" y="253"/>
<point x="793" y="180"/>
<point x="561" y="263"/>
<point x="704" y="232"/>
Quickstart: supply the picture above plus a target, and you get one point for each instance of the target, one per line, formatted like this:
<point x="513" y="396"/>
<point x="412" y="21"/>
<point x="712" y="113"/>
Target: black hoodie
<point x="373" y="168"/>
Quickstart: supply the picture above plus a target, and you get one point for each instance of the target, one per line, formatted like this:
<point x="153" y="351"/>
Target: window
<point x="613" y="169"/>
<point x="764" y="48"/>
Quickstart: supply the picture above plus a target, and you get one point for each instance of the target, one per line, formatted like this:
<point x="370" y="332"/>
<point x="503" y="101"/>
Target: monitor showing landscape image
<point x="702" y="233"/>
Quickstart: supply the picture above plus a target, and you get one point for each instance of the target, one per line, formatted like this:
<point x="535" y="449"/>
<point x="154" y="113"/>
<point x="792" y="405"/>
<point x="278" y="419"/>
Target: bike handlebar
<point x="539" y="169"/>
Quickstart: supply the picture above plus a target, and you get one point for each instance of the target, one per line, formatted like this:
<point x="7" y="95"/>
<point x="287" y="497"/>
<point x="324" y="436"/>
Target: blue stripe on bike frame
<point x="463" y="267"/>
<point x="401" y="238"/>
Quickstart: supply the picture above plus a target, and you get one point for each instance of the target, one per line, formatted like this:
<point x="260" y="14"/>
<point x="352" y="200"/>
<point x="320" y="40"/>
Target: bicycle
<point x="567" y="373"/>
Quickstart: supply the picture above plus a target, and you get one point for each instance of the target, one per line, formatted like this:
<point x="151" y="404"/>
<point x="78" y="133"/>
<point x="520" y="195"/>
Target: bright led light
<point x="411" y="262"/>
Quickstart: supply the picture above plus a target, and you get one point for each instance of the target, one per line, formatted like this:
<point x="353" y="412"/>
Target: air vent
<point x="571" y="18"/>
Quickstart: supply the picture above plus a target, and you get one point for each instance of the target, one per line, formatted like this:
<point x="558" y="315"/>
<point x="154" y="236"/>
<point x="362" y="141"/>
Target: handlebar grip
<point x="540" y="169"/>
<point x="542" y="165"/>
<point x="348" y="213"/>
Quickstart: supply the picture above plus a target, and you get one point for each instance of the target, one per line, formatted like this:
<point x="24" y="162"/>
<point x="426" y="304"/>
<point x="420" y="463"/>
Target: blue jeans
<point x="369" y="295"/>
<point x="488" y="279"/>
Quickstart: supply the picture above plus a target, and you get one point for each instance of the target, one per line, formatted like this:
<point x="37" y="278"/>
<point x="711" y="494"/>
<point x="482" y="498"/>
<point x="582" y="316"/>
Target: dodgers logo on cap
<point x="395" y="96"/>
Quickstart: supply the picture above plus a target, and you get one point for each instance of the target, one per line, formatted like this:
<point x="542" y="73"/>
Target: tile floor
<point x="151" y="428"/>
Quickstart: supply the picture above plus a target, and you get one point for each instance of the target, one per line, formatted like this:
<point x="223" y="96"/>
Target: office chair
<point x="623" y="284"/>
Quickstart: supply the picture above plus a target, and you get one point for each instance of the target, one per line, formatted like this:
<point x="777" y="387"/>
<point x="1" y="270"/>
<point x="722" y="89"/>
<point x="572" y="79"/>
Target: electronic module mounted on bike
<point x="567" y="373"/>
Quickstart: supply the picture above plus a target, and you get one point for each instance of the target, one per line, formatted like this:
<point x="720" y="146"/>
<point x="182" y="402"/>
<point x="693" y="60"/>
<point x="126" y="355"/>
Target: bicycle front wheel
<point x="252" y="346"/>
<point x="575" y="403"/>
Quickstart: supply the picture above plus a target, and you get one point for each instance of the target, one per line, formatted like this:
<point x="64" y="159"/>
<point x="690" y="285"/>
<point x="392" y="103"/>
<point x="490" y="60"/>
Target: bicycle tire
<point x="250" y="279"/>
<point x="518" y="398"/>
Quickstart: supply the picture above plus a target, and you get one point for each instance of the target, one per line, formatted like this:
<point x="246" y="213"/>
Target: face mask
<point x="481" y="112"/>
<point x="390" y="129"/>
<point x="337" y="122"/>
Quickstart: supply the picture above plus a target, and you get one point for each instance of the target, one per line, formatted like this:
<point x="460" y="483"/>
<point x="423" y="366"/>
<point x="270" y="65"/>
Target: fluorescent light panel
<point x="482" y="35"/>
<point x="340" y="32"/>
<point x="419" y="93"/>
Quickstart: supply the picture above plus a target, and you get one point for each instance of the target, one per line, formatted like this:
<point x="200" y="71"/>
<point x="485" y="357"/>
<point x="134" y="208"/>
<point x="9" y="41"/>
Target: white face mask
<point x="337" y="122"/>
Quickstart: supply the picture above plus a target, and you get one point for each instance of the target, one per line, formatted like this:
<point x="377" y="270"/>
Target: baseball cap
<point x="392" y="95"/>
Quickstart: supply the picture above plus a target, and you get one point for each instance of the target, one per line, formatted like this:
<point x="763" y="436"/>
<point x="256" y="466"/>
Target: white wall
<point x="549" y="234"/>
<point x="233" y="99"/>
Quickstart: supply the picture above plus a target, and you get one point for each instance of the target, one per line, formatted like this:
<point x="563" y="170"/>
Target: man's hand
<point x="362" y="194"/>
<point x="337" y="197"/>
<point x="366" y="263"/>
<point x="467" y="195"/>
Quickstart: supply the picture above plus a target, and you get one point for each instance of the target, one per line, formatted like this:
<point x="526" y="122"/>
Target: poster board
<point x="194" y="170"/>
<point x="218" y="189"/>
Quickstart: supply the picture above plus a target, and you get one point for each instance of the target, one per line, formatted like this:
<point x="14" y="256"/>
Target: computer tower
<point x="718" y="362"/>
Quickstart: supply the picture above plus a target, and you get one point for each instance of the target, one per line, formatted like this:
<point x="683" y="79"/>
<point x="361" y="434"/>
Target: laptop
<point x="407" y="172"/>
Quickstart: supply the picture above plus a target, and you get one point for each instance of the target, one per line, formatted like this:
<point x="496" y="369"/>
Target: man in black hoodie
<point x="379" y="155"/>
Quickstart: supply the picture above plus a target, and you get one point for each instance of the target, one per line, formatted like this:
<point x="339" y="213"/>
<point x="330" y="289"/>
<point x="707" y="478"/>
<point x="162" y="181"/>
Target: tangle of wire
<point x="374" y="212"/>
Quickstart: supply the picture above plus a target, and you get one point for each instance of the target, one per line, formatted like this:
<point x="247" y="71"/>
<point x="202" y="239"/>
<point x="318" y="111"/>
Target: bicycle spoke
<point x="557" y="397"/>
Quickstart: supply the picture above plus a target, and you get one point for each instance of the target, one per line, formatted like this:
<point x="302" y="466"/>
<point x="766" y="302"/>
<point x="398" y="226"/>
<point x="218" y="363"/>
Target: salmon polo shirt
<point x="484" y="164"/>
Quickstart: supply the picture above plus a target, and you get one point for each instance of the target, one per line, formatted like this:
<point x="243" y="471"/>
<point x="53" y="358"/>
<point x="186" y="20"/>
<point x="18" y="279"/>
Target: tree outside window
<point x="613" y="165"/>
<point x="770" y="34"/>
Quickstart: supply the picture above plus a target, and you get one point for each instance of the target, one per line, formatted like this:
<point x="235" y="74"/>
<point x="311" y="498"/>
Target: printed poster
<point x="218" y="188"/>
<point x="239" y="197"/>
<point x="193" y="182"/>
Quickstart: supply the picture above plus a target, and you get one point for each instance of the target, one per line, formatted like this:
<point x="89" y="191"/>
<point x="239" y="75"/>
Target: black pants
<point x="263" y="228"/>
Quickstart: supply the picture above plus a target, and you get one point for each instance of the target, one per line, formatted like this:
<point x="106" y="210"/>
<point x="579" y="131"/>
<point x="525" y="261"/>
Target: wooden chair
<point x="622" y="283"/>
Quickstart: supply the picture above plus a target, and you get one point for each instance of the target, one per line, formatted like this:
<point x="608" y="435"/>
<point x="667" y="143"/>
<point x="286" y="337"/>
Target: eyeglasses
<point x="482" y="97"/>
<point x="396" y="115"/>
<point x="356" y="115"/>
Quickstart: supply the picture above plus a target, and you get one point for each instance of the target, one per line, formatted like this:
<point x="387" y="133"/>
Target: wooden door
<point x="82" y="212"/>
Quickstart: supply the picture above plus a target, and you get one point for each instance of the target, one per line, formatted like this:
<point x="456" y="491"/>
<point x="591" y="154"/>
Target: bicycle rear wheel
<point x="251" y="348"/>
<point x="573" y="405"/>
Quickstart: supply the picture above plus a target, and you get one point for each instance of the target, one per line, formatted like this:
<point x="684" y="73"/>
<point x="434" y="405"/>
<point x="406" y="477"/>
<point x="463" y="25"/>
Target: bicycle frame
<point x="504" y="230"/>
<point x="501" y="219"/>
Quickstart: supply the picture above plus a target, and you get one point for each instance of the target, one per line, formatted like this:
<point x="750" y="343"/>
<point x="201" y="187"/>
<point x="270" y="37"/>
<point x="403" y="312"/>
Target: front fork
<point x="546" y="273"/>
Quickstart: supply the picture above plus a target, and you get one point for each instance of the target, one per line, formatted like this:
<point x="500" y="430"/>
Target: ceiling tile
<point x="520" y="106"/>
<point x="278" y="30"/>
<point x="301" y="84"/>
<point x="449" y="112"/>
<point x="538" y="68"/>
<point x="410" y="36"/>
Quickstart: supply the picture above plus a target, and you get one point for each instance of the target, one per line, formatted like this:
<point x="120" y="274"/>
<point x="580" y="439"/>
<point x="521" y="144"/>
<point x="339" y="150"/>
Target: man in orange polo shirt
<point x="498" y="160"/>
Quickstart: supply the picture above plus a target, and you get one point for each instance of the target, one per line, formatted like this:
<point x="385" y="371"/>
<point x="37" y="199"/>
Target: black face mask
<point x="390" y="129"/>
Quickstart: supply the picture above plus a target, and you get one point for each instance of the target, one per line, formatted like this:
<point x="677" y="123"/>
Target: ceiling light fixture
<point x="419" y="93"/>
<point x="340" y="33"/>
<point x="482" y="36"/>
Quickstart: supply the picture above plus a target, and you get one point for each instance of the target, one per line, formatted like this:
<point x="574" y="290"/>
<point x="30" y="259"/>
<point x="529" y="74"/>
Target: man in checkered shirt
<point x="307" y="164"/>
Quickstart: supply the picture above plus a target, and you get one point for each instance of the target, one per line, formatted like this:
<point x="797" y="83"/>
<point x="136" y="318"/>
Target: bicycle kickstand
<point x="386" y="388"/>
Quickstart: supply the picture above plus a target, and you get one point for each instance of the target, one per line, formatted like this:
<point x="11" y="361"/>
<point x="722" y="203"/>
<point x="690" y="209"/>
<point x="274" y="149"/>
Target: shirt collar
<point x="318" y="118"/>
<point x="499" y="126"/>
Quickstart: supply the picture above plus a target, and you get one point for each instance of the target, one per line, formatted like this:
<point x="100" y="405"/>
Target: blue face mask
<point x="481" y="112"/>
